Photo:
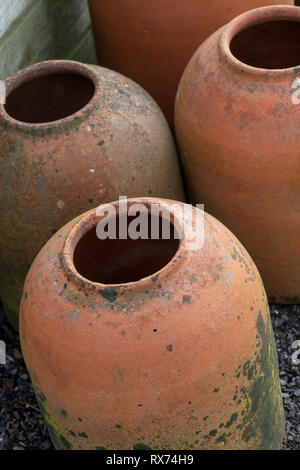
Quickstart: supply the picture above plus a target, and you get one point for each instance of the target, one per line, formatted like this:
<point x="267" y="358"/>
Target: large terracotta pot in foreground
<point x="138" y="344"/>
<point x="238" y="126"/>
<point x="151" y="41"/>
<point x="106" y="137"/>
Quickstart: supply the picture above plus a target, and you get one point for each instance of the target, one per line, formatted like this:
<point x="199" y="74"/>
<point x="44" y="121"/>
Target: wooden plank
<point x="84" y="51"/>
<point x="69" y="20"/>
<point x="47" y="29"/>
<point x="28" y="40"/>
<point x="9" y="11"/>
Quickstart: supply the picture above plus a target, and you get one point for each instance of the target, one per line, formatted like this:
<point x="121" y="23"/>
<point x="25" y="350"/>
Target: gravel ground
<point x="21" y="423"/>
<point x="286" y="324"/>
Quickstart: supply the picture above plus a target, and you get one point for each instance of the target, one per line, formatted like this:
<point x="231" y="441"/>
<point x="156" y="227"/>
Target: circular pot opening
<point x="120" y="261"/>
<point x="268" y="45"/>
<point x="49" y="98"/>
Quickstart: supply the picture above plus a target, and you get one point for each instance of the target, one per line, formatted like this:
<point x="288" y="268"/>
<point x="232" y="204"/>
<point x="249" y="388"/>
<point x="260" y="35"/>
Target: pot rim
<point x="251" y="18"/>
<point x="90" y="220"/>
<point x="43" y="69"/>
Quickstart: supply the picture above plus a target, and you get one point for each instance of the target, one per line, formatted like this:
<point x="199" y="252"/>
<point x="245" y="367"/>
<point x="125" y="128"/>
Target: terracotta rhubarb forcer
<point x="106" y="138"/>
<point x="237" y="124"/>
<point x="152" y="41"/>
<point x="156" y="345"/>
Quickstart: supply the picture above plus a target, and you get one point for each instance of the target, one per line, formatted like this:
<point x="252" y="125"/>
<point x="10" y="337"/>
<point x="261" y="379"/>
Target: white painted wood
<point x="9" y="11"/>
<point x="2" y="100"/>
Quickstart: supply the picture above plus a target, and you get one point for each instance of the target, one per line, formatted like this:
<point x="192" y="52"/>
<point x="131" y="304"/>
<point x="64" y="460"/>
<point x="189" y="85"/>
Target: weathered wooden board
<point x="9" y="11"/>
<point x="84" y="50"/>
<point x="47" y="29"/>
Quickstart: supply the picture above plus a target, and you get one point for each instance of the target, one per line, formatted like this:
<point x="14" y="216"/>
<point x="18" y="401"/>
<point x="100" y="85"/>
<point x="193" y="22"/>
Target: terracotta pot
<point x="106" y="138"/>
<point x="237" y="124"/>
<point x="156" y="345"/>
<point x="152" y="41"/>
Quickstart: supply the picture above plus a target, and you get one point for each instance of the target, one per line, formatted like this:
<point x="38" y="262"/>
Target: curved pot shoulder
<point x="75" y="137"/>
<point x="151" y="42"/>
<point x="237" y="121"/>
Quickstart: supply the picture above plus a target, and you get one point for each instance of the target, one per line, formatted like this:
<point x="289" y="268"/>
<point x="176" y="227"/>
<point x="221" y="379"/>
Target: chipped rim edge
<point x="252" y="18"/>
<point x="43" y="69"/>
<point x="90" y="220"/>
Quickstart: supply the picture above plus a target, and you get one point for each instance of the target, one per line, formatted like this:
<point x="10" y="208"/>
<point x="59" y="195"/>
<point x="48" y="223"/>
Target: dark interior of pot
<point x="49" y="98"/>
<point x="270" y="45"/>
<point x="119" y="261"/>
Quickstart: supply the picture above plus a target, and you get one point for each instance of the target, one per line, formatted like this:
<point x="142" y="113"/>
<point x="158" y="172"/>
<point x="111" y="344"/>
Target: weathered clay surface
<point x="118" y="144"/>
<point x="181" y="359"/>
<point x="152" y="41"/>
<point x="237" y="123"/>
